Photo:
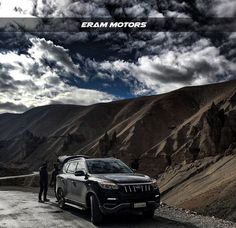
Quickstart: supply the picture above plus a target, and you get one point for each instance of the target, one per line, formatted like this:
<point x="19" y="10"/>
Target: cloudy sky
<point x="89" y="67"/>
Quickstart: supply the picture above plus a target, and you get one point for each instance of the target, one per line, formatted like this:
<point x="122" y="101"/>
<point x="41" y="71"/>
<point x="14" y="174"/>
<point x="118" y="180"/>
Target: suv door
<point x="78" y="187"/>
<point x="70" y="179"/>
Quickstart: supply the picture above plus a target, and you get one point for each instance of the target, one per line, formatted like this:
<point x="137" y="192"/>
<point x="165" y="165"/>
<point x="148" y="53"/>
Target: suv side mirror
<point x="80" y="173"/>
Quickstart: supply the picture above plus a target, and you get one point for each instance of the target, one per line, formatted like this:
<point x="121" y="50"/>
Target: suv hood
<point x="125" y="178"/>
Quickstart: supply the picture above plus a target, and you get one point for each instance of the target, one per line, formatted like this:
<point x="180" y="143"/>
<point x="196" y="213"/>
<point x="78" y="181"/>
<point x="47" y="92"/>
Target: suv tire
<point x="149" y="213"/>
<point x="61" y="198"/>
<point x="96" y="214"/>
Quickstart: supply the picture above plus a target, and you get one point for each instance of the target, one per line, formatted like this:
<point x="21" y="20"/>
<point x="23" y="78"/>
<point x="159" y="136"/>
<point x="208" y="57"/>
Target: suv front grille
<point x="136" y="188"/>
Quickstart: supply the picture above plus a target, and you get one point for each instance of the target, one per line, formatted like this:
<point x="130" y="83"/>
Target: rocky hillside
<point x="210" y="131"/>
<point x="207" y="186"/>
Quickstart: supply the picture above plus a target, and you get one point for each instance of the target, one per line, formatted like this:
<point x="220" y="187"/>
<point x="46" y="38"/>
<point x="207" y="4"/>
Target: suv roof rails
<point x="65" y="158"/>
<point x="109" y="158"/>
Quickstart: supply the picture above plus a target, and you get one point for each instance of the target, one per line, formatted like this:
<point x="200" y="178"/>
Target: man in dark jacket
<point x="43" y="173"/>
<point x="54" y="178"/>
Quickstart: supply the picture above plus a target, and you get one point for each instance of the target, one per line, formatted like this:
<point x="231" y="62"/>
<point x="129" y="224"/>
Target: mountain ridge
<point x="129" y="118"/>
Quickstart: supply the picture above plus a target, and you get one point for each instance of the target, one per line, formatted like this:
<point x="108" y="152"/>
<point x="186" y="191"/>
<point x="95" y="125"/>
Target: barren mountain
<point x="186" y="138"/>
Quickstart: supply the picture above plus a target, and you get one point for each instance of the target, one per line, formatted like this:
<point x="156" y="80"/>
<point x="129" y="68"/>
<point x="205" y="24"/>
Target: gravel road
<point x="19" y="208"/>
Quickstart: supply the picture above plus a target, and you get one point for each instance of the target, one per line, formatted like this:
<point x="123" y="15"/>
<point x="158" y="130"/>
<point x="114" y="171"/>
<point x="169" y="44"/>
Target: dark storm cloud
<point x="34" y="69"/>
<point x="93" y="9"/>
<point x="6" y="81"/>
<point x="54" y="81"/>
<point x="186" y="75"/>
<point x="4" y="68"/>
<point x="228" y="47"/>
<point x="9" y="107"/>
<point x="8" y="85"/>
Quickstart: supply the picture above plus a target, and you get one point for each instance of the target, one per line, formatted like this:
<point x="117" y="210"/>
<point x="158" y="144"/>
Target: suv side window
<point x="80" y="165"/>
<point x="71" y="168"/>
<point x="65" y="167"/>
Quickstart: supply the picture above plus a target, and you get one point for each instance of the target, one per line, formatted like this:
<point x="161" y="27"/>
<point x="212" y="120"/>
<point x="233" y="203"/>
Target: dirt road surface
<point x="19" y="208"/>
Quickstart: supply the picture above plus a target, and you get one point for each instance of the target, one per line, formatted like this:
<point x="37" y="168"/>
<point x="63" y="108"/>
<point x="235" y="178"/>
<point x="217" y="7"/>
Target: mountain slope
<point x="210" y="131"/>
<point x="155" y="127"/>
<point x="206" y="186"/>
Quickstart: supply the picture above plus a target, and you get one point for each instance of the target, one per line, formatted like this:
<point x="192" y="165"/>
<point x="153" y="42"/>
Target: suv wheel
<point x="149" y="213"/>
<point x="61" y="198"/>
<point x="96" y="214"/>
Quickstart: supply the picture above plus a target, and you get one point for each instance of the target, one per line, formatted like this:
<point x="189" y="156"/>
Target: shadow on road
<point x="130" y="220"/>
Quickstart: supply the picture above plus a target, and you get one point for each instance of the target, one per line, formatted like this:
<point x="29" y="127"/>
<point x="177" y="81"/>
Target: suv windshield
<point x="99" y="166"/>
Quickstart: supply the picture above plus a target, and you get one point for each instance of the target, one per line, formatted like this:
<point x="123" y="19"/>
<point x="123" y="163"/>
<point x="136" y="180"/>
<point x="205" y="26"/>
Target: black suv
<point x="106" y="185"/>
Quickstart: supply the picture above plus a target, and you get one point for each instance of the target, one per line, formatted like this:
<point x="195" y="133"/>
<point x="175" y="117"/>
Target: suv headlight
<point x="108" y="185"/>
<point x="154" y="184"/>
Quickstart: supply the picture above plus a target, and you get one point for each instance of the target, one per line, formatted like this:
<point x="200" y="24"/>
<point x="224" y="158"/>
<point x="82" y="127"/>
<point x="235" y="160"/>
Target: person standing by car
<point x="53" y="178"/>
<point x="43" y="181"/>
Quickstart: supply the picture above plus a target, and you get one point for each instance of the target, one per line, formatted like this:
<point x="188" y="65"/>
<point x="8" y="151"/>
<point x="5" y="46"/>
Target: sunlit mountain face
<point x="90" y="67"/>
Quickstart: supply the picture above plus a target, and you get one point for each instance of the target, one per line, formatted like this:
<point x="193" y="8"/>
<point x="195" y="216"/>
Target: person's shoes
<point x="46" y="200"/>
<point x="41" y="201"/>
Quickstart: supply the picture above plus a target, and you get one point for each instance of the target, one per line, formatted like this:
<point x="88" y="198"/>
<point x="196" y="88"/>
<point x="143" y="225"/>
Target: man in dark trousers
<point x="43" y="173"/>
<point x="54" y="178"/>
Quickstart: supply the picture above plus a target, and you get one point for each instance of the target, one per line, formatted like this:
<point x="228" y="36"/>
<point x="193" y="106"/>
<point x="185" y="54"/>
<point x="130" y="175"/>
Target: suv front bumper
<point x="116" y="201"/>
<point x="127" y="207"/>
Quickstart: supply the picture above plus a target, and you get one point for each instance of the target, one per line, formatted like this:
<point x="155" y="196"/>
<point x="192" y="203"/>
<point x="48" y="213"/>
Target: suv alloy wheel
<point x="96" y="214"/>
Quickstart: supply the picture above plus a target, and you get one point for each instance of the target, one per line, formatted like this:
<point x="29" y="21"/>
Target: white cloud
<point x="225" y="8"/>
<point x="52" y="8"/>
<point x="72" y="95"/>
<point x="30" y="82"/>
<point x="43" y="49"/>
<point x="176" y="14"/>
<point x="16" y="8"/>
<point x="232" y="36"/>
<point x="137" y="10"/>
<point x="197" y="64"/>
